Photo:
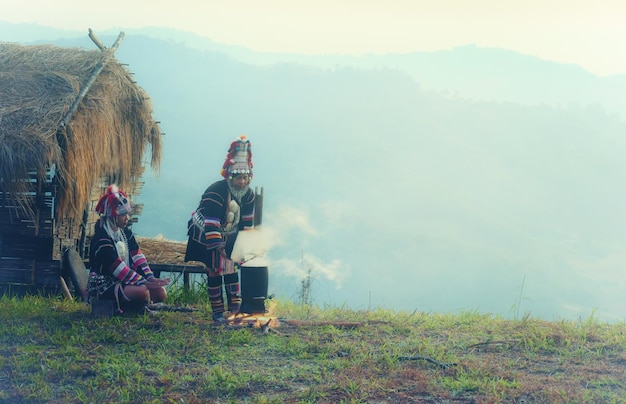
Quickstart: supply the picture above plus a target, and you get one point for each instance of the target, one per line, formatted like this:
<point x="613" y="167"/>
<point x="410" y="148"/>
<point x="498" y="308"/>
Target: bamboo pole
<point x="96" y="40"/>
<point x="66" y="290"/>
<point x="106" y="57"/>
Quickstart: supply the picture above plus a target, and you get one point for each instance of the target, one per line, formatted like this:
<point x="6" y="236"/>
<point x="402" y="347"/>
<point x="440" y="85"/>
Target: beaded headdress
<point x="238" y="159"/>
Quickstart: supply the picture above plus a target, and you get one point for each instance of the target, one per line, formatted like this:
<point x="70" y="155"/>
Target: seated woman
<point x="115" y="255"/>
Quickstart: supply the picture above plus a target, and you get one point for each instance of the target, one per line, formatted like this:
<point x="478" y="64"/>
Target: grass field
<point x="53" y="351"/>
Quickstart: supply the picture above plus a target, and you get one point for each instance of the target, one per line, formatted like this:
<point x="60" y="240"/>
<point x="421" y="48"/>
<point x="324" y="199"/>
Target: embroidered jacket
<point x="105" y="260"/>
<point x="214" y="225"/>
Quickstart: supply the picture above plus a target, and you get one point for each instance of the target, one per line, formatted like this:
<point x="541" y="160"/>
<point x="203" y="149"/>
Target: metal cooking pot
<point x="254" y="282"/>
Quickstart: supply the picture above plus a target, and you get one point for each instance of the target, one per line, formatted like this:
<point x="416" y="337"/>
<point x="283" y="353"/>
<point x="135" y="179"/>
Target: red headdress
<point x="113" y="203"/>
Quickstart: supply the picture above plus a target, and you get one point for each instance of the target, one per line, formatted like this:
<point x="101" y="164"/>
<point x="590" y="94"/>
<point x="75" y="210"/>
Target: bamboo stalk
<point x="66" y="290"/>
<point x="108" y="55"/>
<point x="96" y="40"/>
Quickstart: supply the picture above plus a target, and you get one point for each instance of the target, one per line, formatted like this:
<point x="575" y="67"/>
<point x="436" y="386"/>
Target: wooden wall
<point x="31" y="246"/>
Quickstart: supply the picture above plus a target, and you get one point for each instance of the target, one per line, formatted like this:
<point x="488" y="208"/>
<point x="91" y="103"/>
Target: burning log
<point x="266" y="327"/>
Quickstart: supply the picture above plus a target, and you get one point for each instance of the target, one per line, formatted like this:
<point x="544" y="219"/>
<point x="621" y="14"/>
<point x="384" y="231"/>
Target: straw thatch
<point x="103" y="140"/>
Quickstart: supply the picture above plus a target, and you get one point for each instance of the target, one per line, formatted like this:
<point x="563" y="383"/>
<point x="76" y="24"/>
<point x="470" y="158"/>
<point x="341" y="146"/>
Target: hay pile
<point x="105" y="137"/>
<point x="161" y="251"/>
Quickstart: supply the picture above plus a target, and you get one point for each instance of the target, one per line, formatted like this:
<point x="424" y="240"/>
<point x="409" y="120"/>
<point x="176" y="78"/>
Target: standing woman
<point x="226" y="207"/>
<point x="115" y="255"/>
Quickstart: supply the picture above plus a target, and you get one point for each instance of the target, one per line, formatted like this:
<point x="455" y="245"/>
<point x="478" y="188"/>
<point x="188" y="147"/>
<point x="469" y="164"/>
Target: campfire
<point x="255" y="320"/>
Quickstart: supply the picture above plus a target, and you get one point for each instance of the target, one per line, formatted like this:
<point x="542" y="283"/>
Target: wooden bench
<point x="186" y="270"/>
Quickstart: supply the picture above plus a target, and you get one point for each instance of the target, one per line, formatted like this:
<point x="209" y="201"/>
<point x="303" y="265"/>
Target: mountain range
<point x="464" y="179"/>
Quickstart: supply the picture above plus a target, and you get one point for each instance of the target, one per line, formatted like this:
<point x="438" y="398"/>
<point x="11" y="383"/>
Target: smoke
<point x="281" y="226"/>
<point x="252" y="245"/>
<point x="334" y="271"/>
<point x="288" y="233"/>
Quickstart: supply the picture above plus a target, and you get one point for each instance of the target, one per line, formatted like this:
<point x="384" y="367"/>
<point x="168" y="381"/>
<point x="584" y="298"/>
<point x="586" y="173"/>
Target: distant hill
<point x="471" y="72"/>
<point x="462" y="179"/>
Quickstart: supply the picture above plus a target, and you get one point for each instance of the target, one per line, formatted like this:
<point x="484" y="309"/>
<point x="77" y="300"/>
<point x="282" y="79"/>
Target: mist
<point x="393" y="188"/>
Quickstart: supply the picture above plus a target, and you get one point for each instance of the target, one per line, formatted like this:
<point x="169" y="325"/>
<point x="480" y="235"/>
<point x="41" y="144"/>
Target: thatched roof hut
<point x="71" y="121"/>
<point x="105" y="136"/>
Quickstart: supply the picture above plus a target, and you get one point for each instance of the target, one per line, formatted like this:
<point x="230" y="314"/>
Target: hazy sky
<point x="587" y="33"/>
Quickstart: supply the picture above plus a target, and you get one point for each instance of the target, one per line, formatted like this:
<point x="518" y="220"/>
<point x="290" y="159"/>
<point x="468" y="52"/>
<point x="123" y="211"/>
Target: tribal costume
<point x="223" y="212"/>
<point x="114" y="255"/>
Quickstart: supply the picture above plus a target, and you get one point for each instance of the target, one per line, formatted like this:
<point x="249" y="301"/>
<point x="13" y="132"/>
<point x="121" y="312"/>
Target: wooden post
<point x="66" y="290"/>
<point x="258" y="207"/>
<point x="83" y="233"/>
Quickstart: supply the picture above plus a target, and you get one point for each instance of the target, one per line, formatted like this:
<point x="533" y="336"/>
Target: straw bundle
<point x="104" y="140"/>
<point x="161" y="251"/>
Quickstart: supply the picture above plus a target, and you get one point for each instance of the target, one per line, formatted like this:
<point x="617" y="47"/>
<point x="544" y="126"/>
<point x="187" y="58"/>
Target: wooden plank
<point x="186" y="270"/>
<point x="18" y="246"/>
<point x="174" y="268"/>
<point x="14" y="275"/>
<point x="30" y="272"/>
